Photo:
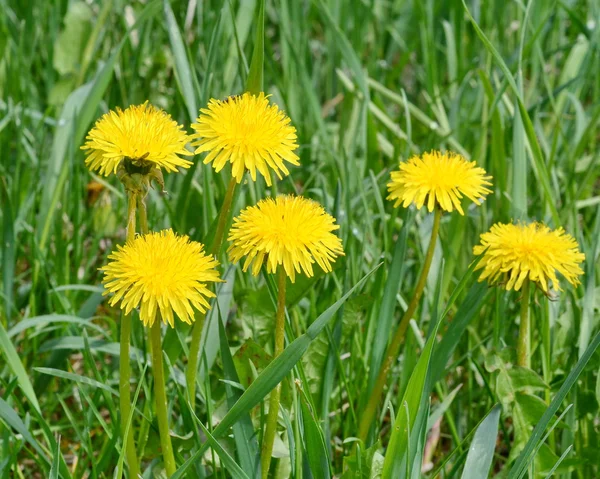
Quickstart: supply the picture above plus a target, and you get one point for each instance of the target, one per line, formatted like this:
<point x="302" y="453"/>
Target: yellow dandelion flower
<point x="248" y="132"/>
<point x="144" y="134"/>
<point x="531" y="251"/>
<point x="161" y="272"/>
<point x="290" y="230"/>
<point x="438" y="178"/>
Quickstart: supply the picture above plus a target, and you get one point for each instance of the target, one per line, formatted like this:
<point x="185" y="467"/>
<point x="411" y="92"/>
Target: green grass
<point x="511" y="86"/>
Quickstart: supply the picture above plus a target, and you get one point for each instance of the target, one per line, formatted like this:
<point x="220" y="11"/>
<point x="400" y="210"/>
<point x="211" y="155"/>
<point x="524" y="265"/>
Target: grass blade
<point x="254" y="83"/>
<point x="16" y="366"/>
<point x="409" y="410"/>
<point x="184" y="74"/>
<point x="243" y="431"/>
<point x="482" y="447"/>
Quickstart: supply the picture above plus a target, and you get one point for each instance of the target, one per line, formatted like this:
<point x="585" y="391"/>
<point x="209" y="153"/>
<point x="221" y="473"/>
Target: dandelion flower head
<point x="144" y="135"/>
<point x="520" y="251"/>
<point x="161" y="273"/>
<point x="438" y="178"/>
<point x="248" y="132"/>
<point x="290" y="230"/>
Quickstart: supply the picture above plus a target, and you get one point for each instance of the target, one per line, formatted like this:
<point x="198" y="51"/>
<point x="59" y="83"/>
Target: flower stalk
<point x="391" y="354"/>
<point x="215" y="249"/>
<point x="271" y="426"/>
<point x="124" y="361"/>
<point x="160" y="397"/>
<point x="523" y="347"/>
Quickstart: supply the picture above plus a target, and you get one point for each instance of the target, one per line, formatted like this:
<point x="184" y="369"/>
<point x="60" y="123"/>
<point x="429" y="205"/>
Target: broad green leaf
<point x="70" y="42"/>
<point x="481" y="451"/>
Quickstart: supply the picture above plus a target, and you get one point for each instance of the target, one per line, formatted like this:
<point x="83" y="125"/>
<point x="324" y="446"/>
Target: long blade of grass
<point x="77" y="378"/>
<point x="388" y="302"/>
<point x="16" y="366"/>
<point x="410" y="404"/>
<point x="184" y="73"/>
<point x="243" y="430"/>
<point x="314" y="440"/>
<point x="481" y="452"/>
<point x="254" y="83"/>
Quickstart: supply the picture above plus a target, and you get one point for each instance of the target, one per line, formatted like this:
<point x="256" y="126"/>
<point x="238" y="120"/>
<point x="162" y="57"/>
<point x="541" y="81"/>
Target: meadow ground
<point x="512" y="86"/>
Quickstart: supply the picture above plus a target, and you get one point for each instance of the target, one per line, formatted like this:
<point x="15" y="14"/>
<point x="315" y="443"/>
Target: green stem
<point x="143" y="214"/>
<point x="215" y="249"/>
<point x="271" y="428"/>
<point x="160" y="396"/>
<point x="192" y="367"/>
<point x="131" y="204"/>
<point x="124" y="363"/>
<point x="523" y="348"/>
<point x="219" y="237"/>
<point x="391" y="353"/>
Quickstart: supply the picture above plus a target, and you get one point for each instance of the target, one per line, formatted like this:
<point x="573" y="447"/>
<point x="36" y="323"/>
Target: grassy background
<point x="513" y="87"/>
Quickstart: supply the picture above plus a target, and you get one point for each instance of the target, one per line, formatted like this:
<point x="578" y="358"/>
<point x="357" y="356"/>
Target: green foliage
<point x="513" y="87"/>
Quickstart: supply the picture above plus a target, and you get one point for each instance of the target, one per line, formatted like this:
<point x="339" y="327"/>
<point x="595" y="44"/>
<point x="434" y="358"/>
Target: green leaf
<point x="184" y="73"/>
<point x="243" y="431"/>
<point x="54" y="469"/>
<point x="524" y="378"/>
<point x="528" y="452"/>
<point x="41" y="321"/>
<point x="71" y="41"/>
<point x="10" y="417"/>
<point x="236" y="471"/>
<point x="77" y="378"/>
<point x="16" y="366"/>
<point x="77" y="114"/>
<point x="388" y="302"/>
<point x="273" y="374"/>
<point x="481" y="451"/>
<point x="254" y="83"/>
<point x="468" y="309"/>
<point x="7" y="250"/>
<point x="314" y="440"/>
<point x="409" y="410"/>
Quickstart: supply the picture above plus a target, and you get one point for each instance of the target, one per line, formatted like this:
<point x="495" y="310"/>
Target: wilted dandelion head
<point x="143" y="135"/>
<point x="290" y="230"/>
<point x="249" y="133"/>
<point x="438" y="178"/>
<point x="161" y="272"/>
<point x="533" y="251"/>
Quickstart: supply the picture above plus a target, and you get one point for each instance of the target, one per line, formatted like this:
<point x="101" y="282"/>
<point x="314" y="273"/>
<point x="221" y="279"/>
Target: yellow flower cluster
<point x="168" y="274"/>
<point x="518" y="252"/>
<point x="253" y="135"/>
